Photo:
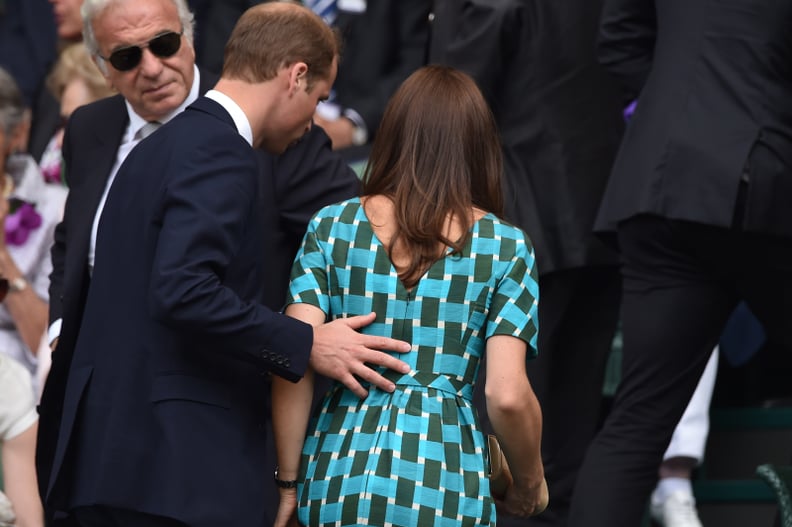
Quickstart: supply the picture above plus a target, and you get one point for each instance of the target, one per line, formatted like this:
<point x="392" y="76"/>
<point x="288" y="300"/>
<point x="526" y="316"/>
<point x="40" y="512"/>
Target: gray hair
<point x="13" y="110"/>
<point x="93" y="8"/>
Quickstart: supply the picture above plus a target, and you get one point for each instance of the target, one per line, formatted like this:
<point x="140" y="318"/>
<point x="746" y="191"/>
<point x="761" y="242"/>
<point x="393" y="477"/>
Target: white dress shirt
<point x="240" y="119"/>
<point x="128" y="142"/>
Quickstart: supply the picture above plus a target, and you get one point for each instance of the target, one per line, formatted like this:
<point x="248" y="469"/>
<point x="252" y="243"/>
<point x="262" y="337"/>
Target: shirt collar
<point x="240" y="119"/>
<point x="136" y="121"/>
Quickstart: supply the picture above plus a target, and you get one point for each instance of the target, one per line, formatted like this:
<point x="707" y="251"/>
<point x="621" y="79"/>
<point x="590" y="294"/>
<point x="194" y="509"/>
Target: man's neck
<point x="255" y="101"/>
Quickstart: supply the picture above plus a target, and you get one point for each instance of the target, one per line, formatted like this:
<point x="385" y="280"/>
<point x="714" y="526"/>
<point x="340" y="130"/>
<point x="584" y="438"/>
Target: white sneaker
<point x="678" y="510"/>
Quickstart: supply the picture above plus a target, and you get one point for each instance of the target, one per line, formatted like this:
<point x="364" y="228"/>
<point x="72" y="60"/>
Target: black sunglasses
<point x="164" y="45"/>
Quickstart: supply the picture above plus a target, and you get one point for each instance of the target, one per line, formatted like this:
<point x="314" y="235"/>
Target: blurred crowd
<point x="660" y="223"/>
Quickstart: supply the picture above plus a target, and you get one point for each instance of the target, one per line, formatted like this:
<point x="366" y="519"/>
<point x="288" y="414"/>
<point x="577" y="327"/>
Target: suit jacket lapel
<point x="98" y="154"/>
<point x="102" y="147"/>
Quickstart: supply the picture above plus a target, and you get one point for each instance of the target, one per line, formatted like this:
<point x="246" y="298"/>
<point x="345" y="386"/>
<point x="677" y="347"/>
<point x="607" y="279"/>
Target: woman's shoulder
<point x="338" y="220"/>
<point x="344" y="211"/>
<point x="491" y="226"/>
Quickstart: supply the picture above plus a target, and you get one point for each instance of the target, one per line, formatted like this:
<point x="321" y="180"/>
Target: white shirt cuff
<point x="54" y="330"/>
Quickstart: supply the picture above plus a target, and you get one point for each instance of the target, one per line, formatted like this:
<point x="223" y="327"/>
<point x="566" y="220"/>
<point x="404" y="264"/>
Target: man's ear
<point x="298" y="77"/>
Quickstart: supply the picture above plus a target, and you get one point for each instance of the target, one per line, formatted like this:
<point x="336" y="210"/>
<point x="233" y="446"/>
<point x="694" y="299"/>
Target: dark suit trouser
<point x="100" y="516"/>
<point x="578" y="313"/>
<point x="681" y="281"/>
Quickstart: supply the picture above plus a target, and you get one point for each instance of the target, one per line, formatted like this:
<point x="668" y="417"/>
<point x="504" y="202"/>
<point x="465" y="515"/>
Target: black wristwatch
<point x="292" y="484"/>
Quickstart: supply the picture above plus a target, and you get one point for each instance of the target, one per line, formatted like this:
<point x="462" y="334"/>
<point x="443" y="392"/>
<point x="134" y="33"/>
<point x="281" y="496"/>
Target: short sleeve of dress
<point x="17" y="403"/>
<point x="308" y="283"/>
<point x="514" y="307"/>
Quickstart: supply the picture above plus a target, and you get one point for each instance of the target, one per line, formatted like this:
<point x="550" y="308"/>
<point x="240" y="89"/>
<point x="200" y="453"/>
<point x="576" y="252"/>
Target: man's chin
<point x="163" y="103"/>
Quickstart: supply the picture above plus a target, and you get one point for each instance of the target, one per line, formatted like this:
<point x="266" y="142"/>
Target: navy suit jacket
<point x="164" y="404"/>
<point x="714" y="107"/>
<point x="90" y="145"/>
<point x="293" y="186"/>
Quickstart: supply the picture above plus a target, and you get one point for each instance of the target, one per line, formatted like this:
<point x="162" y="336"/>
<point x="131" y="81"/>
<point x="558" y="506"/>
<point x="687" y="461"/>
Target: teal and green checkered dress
<point x="414" y="457"/>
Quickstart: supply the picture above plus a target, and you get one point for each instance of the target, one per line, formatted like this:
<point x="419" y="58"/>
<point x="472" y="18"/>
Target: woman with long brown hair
<point x="424" y="249"/>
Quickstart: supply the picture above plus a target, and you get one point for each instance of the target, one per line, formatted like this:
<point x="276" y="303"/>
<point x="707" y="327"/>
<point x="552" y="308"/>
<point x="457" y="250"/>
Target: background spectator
<point x="699" y="202"/>
<point x="30" y="209"/>
<point x="384" y="41"/>
<point x="46" y="108"/>
<point x="74" y="81"/>
<point x="28" y="44"/>
<point x="18" y="424"/>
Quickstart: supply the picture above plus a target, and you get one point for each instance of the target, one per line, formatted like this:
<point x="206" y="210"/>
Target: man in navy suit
<point x="162" y="414"/>
<point x="698" y="200"/>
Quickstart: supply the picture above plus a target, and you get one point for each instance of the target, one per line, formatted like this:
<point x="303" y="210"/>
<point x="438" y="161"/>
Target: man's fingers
<point x="373" y="341"/>
<point x="371" y="376"/>
<point x="349" y="364"/>
<point x="360" y="321"/>
<point x="362" y="370"/>
<point x="384" y="343"/>
<point x="383" y="359"/>
<point x="353" y="384"/>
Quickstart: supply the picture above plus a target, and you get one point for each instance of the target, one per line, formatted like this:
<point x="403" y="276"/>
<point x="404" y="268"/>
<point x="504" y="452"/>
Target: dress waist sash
<point x="440" y="382"/>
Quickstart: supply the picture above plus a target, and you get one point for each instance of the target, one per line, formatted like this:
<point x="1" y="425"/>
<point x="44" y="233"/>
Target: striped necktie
<point x="326" y="9"/>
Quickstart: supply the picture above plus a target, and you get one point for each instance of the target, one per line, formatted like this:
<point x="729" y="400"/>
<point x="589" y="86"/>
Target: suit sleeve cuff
<point x="289" y="352"/>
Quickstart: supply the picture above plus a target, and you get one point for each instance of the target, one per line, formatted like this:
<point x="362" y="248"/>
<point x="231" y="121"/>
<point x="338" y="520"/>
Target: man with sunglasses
<point x="145" y="50"/>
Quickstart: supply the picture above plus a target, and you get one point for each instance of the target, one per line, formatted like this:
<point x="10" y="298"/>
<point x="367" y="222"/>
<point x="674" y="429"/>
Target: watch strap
<point x="284" y="484"/>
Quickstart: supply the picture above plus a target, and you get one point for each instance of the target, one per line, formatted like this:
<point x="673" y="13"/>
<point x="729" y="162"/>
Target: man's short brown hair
<point x="274" y="35"/>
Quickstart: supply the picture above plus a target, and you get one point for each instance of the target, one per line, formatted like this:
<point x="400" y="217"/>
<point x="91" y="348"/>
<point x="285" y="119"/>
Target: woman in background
<point x="425" y="250"/>
<point x="29" y="210"/>
<point x="18" y="426"/>
<point x="75" y="80"/>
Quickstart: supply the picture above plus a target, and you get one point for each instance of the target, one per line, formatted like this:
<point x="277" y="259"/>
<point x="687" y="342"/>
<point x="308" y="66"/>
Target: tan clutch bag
<point x="500" y="476"/>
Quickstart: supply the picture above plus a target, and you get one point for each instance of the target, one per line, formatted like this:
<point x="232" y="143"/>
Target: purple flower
<point x="630" y="110"/>
<point x="20" y="223"/>
<point x="52" y="173"/>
